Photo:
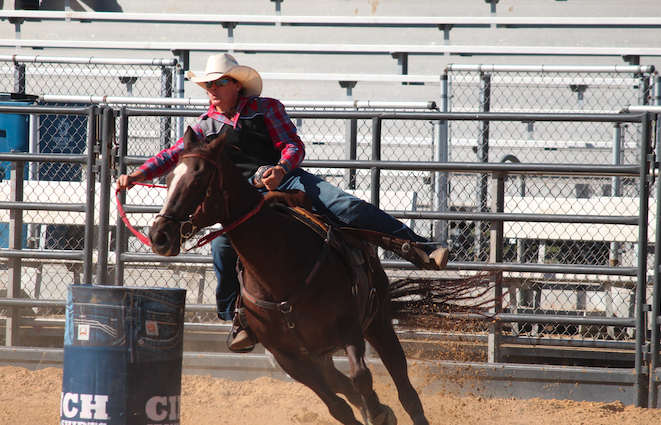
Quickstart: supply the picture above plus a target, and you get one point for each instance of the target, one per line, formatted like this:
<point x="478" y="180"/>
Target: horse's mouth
<point x="162" y="243"/>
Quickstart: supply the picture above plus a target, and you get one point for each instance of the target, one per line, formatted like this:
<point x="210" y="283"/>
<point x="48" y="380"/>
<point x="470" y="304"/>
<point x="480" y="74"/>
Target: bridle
<point x="185" y="236"/>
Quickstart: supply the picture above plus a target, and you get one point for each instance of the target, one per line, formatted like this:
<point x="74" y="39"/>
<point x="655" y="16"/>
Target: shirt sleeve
<point x="283" y="133"/>
<point x="163" y="162"/>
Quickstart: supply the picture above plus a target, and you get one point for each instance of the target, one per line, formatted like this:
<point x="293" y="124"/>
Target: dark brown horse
<point x="320" y="307"/>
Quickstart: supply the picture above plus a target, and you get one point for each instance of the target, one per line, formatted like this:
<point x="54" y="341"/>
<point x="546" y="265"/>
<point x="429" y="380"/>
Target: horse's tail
<point x="431" y="302"/>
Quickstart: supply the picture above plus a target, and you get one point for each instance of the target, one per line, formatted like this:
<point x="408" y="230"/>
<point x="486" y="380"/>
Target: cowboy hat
<point x="224" y="65"/>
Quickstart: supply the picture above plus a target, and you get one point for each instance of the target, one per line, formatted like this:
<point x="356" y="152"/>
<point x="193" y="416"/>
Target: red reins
<point x="204" y="240"/>
<point x="213" y="235"/>
<point x="144" y="239"/>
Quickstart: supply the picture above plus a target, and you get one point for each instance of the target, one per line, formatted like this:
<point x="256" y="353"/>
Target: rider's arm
<point x="283" y="133"/>
<point x="163" y="162"/>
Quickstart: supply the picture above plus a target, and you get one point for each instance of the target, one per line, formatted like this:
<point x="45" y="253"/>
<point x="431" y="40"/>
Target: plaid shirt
<point x="278" y="123"/>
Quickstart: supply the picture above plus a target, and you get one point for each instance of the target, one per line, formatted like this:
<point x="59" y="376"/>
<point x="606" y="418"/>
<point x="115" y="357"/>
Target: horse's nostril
<point x="161" y="239"/>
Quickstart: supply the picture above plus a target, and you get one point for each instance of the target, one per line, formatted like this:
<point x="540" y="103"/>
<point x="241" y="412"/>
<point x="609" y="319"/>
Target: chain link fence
<point x="502" y="89"/>
<point x="23" y="79"/>
<point x="401" y="140"/>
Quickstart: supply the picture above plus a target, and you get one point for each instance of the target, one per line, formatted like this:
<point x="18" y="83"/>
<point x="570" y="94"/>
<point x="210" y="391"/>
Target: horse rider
<point x="260" y="133"/>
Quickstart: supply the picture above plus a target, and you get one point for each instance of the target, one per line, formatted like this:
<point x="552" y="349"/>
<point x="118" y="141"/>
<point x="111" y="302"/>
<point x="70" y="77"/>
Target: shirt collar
<point x="213" y="113"/>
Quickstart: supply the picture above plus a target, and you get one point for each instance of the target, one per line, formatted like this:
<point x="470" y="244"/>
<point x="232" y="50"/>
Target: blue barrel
<point x="14" y="132"/>
<point x="14" y="136"/>
<point x="123" y="352"/>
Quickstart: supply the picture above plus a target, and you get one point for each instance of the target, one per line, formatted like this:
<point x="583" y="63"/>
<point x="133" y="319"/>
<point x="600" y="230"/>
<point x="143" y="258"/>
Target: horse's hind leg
<point x="384" y="340"/>
<point x="308" y="374"/>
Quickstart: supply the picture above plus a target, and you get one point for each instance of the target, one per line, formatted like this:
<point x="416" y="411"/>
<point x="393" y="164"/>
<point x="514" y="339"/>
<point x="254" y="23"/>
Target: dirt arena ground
<point x="32" y="398"/>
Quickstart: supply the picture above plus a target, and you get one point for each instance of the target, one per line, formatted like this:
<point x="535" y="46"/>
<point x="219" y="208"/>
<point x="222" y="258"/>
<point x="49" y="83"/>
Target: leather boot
<point x="242" y="339"/>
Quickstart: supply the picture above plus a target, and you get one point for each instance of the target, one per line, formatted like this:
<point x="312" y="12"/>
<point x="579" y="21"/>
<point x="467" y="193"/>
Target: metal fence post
<point x="655" y="336"/>
<point x="166" y="91"/>
<point x="441" y="154"/>
<point x="496" y="256"/>
<point x="481" y="242"/>
<point x="104" y="196"/>
<point x="15" y="242"/>
<point x="350" y="151"/>
<point x="376" y="156"/>
<point x="616" y="188"/>
<point x="642" y="308"/>
<point x="92" y="152"/>
<point x="182" y="65"/>
<point x="121" y="235"/>
<point x="19" y="78"/>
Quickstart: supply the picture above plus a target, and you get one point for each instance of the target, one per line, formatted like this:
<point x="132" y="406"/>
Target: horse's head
<point x="193" y="201"/>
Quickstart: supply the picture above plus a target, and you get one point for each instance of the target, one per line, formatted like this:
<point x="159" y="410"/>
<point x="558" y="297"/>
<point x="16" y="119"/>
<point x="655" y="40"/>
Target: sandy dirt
<point x="32" y="398"/>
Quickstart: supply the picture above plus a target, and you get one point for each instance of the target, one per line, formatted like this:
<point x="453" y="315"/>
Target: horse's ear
<point x="217" y="144"/>
<point x="190" y="138"/>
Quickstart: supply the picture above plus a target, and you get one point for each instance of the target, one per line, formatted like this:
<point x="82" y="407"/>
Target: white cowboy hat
<point x="224" y="65"/>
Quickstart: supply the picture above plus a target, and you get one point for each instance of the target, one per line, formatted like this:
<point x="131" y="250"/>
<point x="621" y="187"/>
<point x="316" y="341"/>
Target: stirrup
<point x="240" y="339"/>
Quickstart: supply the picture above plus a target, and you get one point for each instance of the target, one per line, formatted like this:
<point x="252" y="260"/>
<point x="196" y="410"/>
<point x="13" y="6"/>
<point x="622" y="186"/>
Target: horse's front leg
<point x="340" y="383"/>
<point x="361" y="378"/>
<point x="302" y="369"/>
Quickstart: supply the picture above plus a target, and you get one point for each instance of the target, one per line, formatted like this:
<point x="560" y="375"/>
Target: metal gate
<point x="569" y="234"/>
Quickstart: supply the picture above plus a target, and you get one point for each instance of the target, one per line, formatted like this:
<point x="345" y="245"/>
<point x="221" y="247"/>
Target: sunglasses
<point x="220" y="83"/>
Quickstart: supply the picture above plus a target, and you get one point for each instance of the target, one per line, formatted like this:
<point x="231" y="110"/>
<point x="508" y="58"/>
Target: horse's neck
<point x="271" y="247"/>
<point x="242" y="197"/>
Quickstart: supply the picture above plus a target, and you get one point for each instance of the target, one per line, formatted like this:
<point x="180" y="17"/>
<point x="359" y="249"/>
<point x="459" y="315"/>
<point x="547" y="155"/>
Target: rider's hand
<point x="125" y="182"/>
<point x="272" y="177"/>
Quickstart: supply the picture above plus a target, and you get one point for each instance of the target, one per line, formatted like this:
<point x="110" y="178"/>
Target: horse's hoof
<point x="420" y="420"/>
<point x="387" y="417"/>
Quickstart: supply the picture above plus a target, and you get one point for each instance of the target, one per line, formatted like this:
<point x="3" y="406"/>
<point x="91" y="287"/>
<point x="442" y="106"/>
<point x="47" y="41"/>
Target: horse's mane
<point x="202" y="147"/>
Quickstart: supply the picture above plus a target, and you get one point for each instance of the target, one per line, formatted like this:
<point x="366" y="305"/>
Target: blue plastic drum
<point x="123" y="352"/>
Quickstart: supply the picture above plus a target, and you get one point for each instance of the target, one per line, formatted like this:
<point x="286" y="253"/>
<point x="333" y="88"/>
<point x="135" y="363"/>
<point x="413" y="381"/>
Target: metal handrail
<point x="357" y="21"/>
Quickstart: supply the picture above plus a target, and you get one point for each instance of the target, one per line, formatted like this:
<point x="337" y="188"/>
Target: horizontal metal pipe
<point x="483" y="167"/>
<point x="124" y="100"/>
<point x="38" y="206"/>
<point x="28" y="302"/>
<point x="546" y="318"/>
<point x="442" y="116"/>
<point x="153" y="258"/>
<point x="566" y="320"/>
<point x="542" y="268"/>
<point x="476" y="116"/>
<point x="343" y="21"/>
<point x="405" y="265"/>
<point x="570" y="342"/>
<point x="42" y="157"/>
<point x="44" y="110"/>
<point x="539" y="218"/>
<point x="336" y="49"/>
<point x="611" y="69"/>
<point x="89" y="60"/>
<point x="642" y="108"/>
<point x="129" y="100"/>
<point x="464" y="167"/>
<point x="31" y="254"/>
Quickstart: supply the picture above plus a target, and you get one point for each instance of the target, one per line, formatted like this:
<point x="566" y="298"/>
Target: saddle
<point x="355" y="253"/>
<point x="357" y="249"/>
<point x="362" y="239"/>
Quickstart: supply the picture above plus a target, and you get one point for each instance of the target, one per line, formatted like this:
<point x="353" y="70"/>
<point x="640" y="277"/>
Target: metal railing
<point x="101" y="160"/>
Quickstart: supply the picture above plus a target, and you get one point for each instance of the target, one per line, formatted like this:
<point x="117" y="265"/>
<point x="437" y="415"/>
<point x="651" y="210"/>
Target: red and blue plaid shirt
<point x="278" y="123"/>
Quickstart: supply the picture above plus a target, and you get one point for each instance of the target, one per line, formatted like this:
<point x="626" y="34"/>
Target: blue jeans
<point x="338" y="206"/>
